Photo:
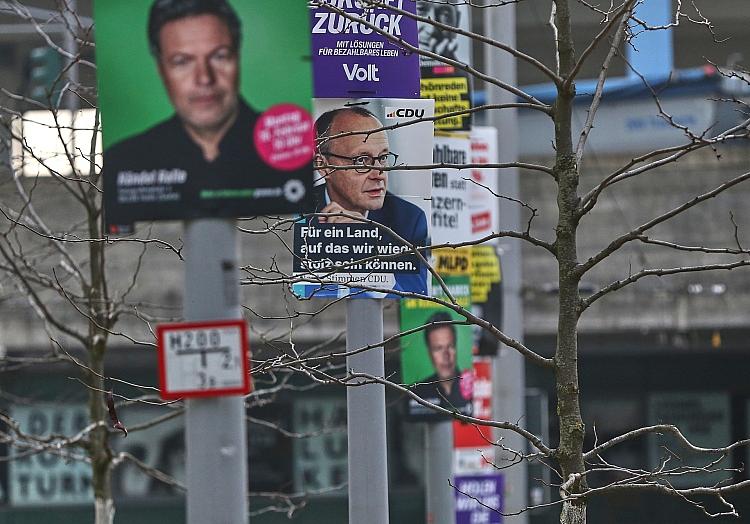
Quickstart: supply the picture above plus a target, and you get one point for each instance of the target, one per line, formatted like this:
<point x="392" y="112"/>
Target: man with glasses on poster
<point x="352" y="150"/>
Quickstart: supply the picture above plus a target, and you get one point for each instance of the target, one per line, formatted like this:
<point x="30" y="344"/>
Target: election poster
<point x="486" y="295"/>
<point x="205" y="109"/>
<point x="162" y="447"/>
<point x="451" y="94"/>
<point x="483" y="200"/>
<point x="353" y="56"/>
<point x="451" y="219"/>
<point x="442" y="81"/>
<point x="704" y="418"/>
<point x="436" y="360"/>
<point x="369" y="216"/>
<point x="320" y="458"/>
<point x="50" y="478"/>
<point x="473" y="449"/>
<point x="479" y="499"/>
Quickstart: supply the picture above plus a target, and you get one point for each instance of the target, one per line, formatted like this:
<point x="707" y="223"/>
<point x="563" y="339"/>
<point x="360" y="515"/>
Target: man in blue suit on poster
<point x="362" y="190"/>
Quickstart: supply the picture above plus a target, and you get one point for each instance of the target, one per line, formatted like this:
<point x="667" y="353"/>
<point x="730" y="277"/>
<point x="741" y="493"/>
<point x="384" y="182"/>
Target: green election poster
<point x="206" y="108"/>
<point x="437" y="360"/>
<point x="274" y="51"/>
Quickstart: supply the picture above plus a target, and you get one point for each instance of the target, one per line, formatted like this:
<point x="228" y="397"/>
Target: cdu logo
<point x="392" y="113"/>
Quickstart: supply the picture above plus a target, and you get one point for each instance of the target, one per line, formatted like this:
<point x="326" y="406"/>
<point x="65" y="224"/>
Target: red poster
<point x="469" y="435"/>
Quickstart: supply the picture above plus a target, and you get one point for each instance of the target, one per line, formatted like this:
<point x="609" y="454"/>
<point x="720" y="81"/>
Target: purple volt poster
<point x="352" y="60"/>
<point x="484" y="492"/>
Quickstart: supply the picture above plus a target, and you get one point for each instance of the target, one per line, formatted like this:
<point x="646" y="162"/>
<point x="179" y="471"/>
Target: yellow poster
<point x="485" y="271"/>
<point x="451" y="94"/>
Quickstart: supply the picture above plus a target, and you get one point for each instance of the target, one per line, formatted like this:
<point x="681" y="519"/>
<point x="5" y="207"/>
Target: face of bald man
<point x="351" y="189"/>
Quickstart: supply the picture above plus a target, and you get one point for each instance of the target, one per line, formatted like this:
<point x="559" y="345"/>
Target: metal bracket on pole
<point x="215" y="428"/>
<point x="368" y="458"/>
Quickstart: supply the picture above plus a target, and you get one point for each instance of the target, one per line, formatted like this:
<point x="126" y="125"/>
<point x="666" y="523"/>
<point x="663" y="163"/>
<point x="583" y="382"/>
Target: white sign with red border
<point x="203" y="359"/>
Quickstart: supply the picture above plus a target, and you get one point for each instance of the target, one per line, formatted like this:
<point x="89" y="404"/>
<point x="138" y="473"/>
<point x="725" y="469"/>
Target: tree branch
<point x="637" y="232"/>
<point x="586" y="302"/>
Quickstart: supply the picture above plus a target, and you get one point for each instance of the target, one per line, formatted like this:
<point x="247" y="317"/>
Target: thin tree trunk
<point x="570" y="451"/>
<point x="105" y="511"/>
<point x="572" y="513"/>
<point x="99" y="449"/>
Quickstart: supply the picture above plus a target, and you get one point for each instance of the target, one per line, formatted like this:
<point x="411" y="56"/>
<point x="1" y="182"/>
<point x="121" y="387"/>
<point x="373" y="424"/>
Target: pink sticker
<point x="284" y="137"/>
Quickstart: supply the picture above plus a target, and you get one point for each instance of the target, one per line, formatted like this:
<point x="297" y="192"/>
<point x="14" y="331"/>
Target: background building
<point x="665" y="349"/>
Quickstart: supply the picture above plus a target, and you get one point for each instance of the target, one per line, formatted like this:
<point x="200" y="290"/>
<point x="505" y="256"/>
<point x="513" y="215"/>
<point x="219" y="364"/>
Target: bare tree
<point x="66" y="275"/>
<point x="89" y="295"/>
<point x="58" y="260"/>
<point x="576" y="467"/>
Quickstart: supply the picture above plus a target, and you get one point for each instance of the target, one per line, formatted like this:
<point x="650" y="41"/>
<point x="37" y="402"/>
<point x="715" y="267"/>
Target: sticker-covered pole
<point x="439" y="465"/>
<point x="215" y="428"/>
<point x="365" y="409"/>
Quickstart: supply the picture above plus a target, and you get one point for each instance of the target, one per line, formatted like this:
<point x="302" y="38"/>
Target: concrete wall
<point x="694" y="43"/>
<point x="674" y="302"/>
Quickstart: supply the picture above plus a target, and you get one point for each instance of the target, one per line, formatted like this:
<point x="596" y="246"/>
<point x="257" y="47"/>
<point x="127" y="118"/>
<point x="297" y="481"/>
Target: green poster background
<point x="415" y="362"/>
<point x="274" y="57"/>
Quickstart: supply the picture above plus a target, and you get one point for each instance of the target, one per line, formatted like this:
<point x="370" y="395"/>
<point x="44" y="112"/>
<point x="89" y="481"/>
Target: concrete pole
<point x="70" y="100"/>
<point x="509" y="381"/>
<point x="70" y="44"/>
<point x="365" y="410"/>
<point x="441" y="508"/>
<point x="215" y="428"/>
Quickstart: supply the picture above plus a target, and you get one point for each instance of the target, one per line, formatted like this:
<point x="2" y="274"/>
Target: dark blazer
<point x="407" y="221"/>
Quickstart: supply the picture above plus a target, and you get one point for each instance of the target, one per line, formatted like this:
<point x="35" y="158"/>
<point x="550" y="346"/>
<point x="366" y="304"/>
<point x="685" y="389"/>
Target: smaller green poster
<point x="437" y="360"/>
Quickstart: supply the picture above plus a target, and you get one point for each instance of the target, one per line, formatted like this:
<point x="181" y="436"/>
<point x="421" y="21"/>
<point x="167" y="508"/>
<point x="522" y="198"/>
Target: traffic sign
<point x="203" y="359"/>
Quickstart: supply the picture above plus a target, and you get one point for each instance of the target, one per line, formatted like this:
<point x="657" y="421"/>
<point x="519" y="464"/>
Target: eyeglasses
<point x="365" y="163"/>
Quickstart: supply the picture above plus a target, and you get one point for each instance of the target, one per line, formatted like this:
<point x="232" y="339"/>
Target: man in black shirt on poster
<point x="444" y="387"/>
<point x="197" y="162"/>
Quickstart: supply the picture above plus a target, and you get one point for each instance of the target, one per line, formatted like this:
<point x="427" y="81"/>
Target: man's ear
<point x="319" y="161"/>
